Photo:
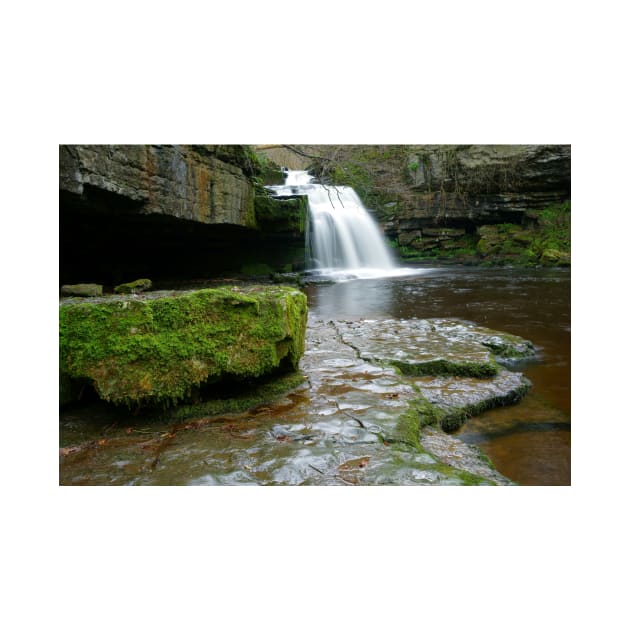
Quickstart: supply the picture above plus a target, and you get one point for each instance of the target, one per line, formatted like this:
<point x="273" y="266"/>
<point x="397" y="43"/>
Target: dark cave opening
<point x="106" y="239"/>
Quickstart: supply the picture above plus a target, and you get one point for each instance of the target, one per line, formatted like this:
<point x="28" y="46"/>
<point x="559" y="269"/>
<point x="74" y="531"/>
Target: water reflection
<point x="365" y="298"/>
<point x="353" y="300"/>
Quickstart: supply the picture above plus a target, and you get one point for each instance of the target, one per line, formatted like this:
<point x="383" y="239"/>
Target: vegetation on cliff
<point x="488" y="204"/>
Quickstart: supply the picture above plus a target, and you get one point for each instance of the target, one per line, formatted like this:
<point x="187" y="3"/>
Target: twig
<point x="351" y="416"/>
<point x="321" y="472"/>
<point x="348" y="483"/>
<point x="306" y="155"/>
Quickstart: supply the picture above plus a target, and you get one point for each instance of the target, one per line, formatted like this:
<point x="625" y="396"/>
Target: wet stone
<point x="343" y="429"/>
<point x="457" y="454"/>
<point x="433" y="346"/>
<point x="471" y="394"/>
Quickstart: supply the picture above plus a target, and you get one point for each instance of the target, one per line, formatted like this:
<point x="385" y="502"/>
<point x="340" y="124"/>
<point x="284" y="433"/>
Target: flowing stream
<point x="529" y="442"/>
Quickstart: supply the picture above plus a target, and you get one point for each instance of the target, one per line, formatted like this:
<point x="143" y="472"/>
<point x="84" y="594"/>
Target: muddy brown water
<point x="529" y="442"/>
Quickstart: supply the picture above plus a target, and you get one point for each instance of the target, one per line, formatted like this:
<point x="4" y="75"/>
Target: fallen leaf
<point x="354" y="463"/>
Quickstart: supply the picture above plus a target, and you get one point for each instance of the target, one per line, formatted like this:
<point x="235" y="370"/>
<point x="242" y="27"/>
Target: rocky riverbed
<point x="359" y="418"/>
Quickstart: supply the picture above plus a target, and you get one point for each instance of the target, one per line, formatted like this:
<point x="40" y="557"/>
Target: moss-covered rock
<point x="134" y="287"/>
<point x="158" y="349"/>
<point x="286" y="215"/>
<point x="555" y="257"/>
<point x="82" y="290"/>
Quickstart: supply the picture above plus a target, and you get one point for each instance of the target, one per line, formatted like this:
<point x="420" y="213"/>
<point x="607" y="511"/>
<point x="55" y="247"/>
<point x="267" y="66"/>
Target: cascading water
<point x="343" y="241"/>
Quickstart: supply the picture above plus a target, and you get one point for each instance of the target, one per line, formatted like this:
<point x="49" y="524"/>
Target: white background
<point x="325" y="72"/>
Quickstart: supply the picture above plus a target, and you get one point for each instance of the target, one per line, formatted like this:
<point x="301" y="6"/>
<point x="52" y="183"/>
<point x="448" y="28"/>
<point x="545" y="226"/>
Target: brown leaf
<point x="352" y="464"/>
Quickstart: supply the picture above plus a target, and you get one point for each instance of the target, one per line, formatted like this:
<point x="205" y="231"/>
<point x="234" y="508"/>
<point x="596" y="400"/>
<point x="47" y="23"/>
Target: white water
<point x="343" y="239"/>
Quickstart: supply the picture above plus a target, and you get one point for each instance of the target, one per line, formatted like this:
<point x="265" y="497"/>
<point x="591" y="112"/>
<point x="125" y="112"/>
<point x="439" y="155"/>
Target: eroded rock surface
<point x="356" y="422"/>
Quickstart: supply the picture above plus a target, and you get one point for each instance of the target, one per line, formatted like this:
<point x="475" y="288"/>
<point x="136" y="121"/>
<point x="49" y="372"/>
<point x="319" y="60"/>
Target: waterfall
<point x="342" y="239"/>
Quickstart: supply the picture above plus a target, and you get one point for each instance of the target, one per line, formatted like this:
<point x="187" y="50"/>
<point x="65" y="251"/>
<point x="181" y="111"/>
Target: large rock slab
<point x="157" y="348"/>
<point x="451" y="364"/>
<point x="357" y="422"/>
<point x="434" y="346"/>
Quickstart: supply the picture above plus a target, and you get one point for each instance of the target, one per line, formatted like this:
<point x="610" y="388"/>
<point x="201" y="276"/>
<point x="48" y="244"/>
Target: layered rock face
<point x="199" y="183"/>
<point x="169" y="212"/>
<point x="483" y="183"/>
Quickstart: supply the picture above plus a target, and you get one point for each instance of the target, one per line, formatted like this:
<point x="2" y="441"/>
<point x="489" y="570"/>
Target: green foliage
<point x="554" y="229"/>
<point x="280" y="215"/>
<point x="364" y="168"/>
<point x="547" y="241"/>
<point x="158" y="350"/>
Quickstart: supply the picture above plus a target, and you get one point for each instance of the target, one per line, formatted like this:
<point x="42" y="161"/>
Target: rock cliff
<point x="208" y="184"/>
<point x="169" y="211"/>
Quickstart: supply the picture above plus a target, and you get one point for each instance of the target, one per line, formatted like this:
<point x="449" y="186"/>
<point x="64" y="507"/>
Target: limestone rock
<point x="201" y="183"/>
<point x="453" y="363"/>
<point x="434" y="346"/>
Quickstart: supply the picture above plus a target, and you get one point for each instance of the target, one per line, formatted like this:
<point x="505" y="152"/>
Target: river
<point x="529" y="442"/>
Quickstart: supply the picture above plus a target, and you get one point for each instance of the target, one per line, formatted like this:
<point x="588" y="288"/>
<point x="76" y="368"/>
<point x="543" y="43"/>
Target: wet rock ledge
<point x="161" y="347"/>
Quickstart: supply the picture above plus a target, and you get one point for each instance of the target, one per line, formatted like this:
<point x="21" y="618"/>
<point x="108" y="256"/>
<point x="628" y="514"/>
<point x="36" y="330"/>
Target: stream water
<point x="529" y="442"/>
<point x="310" y="431"/>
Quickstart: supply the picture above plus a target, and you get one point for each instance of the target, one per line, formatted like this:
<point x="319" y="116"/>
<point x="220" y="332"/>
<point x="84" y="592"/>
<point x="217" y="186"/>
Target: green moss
<point x="280" y="215"/>
<point x="158" y="350"/>
<point x="421" y="413"/>
<point x="547" y="241"/>
<point x="553" y="233"/>
<point x="247" y="397"/>
<point x="509" y="346"/>
<point x="443" y="367"/>
<point x="466" y="478"/>
<point x="134" y="287"/>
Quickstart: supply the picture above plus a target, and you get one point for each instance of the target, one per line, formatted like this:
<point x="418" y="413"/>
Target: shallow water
<point x="330" y="431"/>
<point x="529" y="442"/>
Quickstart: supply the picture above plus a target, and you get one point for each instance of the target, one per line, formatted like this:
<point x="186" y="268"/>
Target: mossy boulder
<point x="136" y="286"/>
<point x="82" y="290"/>
<point x="555" y="257"/>
<point x="159" y="348"/>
